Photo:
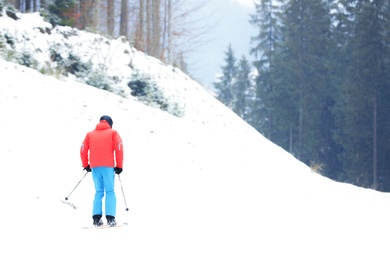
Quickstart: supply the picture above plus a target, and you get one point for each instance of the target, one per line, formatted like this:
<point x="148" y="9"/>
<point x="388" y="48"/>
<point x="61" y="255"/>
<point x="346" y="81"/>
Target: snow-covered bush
<point x="2" y="42"/>
<point x="7" y="43"/>
<point x="145" y="89"/>
<point x="4" y="52"/>
<point x="7" y="9"/>
<point x="9" y="39"/>
<point x="68" y="62"/>
<point x="50" y="17"/>
<point x="98" y="80"/>
<point x="2" y="5"/>
<point x="26" y="59"/>
<point x="74" y="65"/>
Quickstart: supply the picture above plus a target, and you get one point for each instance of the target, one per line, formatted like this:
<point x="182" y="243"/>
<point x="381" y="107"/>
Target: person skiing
<point x="102" y="153"/>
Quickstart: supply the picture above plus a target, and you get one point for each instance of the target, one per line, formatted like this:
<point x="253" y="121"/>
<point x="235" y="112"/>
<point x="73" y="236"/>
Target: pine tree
<point x="267" y="19"/>
<point x="242" y="89"/>
<point x="226" y="83"/>
<point x="307" y="27"/>
<point x="366" y="112"/>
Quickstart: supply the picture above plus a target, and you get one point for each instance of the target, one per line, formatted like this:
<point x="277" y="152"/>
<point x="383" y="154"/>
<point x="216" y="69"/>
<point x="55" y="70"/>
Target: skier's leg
<point x="109" y="181"/>
<point x="99" y="191"/>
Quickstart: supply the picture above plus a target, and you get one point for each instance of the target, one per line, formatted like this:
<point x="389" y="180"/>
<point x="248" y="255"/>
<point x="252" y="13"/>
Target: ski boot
<point x="111" y="221"/>
<point x="97" y="220"/>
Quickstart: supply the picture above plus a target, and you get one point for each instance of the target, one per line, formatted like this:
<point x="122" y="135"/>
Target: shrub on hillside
<point x="8" y="54"/>
<point x="146" y="91"/>
<point x="26" y="59"/>
<point x="50" y="17"/>
<point x="8" y="9"/>
<point x="98" y="80"/>
<point x="2" y="5"/>
<point x="2" y="42"/>
<point x="68" y="63"/>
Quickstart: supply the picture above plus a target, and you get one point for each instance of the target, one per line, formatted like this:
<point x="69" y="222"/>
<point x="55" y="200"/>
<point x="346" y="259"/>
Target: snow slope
<point x="204" y="186"/>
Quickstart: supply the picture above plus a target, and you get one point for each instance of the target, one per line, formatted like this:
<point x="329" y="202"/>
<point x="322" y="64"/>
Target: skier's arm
<point x="118" y="147"/>
<point x="84" y="152"/>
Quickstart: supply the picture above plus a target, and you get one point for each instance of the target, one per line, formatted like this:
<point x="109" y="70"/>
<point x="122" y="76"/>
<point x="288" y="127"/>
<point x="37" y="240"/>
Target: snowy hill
<point x="202" y="186"/>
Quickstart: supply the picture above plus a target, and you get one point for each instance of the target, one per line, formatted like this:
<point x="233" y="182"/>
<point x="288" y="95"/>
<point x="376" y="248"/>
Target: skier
<point x="102" y="153"/>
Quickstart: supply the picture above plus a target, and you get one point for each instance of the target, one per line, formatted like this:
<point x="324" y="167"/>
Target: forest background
<point x="318" y="85"/>
<point x="164" y="29"/>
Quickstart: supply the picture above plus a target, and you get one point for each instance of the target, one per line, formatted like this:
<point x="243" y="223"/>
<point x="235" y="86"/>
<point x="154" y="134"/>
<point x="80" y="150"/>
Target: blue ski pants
<point x="104" y="178"/>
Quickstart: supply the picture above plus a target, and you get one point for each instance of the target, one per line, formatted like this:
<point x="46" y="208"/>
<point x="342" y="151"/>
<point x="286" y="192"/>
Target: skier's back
<point x="102" y="153"/>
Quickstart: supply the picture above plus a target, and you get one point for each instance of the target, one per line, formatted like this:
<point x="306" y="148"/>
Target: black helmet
<point x="108" y="119"/>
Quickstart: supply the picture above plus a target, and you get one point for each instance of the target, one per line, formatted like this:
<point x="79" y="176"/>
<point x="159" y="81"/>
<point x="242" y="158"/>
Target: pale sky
<point x="248" y="3"/>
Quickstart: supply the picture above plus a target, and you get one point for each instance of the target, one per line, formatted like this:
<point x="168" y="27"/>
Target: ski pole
<point x="66" y="198"/>
<point x="127" y="209"/>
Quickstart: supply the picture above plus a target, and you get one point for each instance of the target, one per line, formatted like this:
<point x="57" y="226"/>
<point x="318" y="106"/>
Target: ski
<point x="106" y="226"/>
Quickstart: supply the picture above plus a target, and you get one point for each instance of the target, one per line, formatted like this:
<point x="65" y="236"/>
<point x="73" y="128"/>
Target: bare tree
<point x="17" y="4"/>
<point x="139" y="34"/>
<point x="148" y="24"/>
<point x="156" y="29"/>
<point x="110" y="17"/>
<point x="124" y="22"/>
<point x="95" y="14"/>
<point x="35" y="5"/>
<point x="183" y="33"/>
<point x="168" y="26"/>
<point x="28" y="6"/>
<point x="89" y="14"/>
<point x="83" y="7"/>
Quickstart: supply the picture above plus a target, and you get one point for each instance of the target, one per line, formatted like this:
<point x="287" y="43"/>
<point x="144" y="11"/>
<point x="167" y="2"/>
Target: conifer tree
<point x="307" y="27"/>
<point x="242" y="89"/>
<point x="267" y="20"/>
<point x="365" y="115"/>
<point x="225" y="84"/>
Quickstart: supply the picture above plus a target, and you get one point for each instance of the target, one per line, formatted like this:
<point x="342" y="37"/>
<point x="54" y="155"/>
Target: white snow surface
<point x="203" y="186"/>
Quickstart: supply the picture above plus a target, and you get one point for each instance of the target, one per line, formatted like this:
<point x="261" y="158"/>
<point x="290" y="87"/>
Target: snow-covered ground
<point x="202" y="186"/>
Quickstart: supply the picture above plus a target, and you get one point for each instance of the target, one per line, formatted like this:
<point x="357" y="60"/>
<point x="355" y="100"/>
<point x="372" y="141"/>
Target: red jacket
<point x="104" y="146"/>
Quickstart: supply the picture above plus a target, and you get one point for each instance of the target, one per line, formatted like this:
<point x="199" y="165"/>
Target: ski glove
<point x="88" y="168"/>
<point x="118" y="170"/>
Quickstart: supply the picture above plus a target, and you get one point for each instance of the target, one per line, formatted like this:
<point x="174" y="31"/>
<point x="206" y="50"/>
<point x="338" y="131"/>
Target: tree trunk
<point x="123" y="31"/>
<point x="374" y="170"/>
<point x="156" y="31"/>
<point x="95" y="14"/>
<point x="44" y="4"/>
<point x="35" y="5"/>
<point x="110" y="17"/>
<point x="169" y="32"/>
<point x="148" y="26"/>
<point x="83" y="11"/>
<point x="28" y="6"/>
<point x="139" y="37"/>
<point x="18" y="4"/>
